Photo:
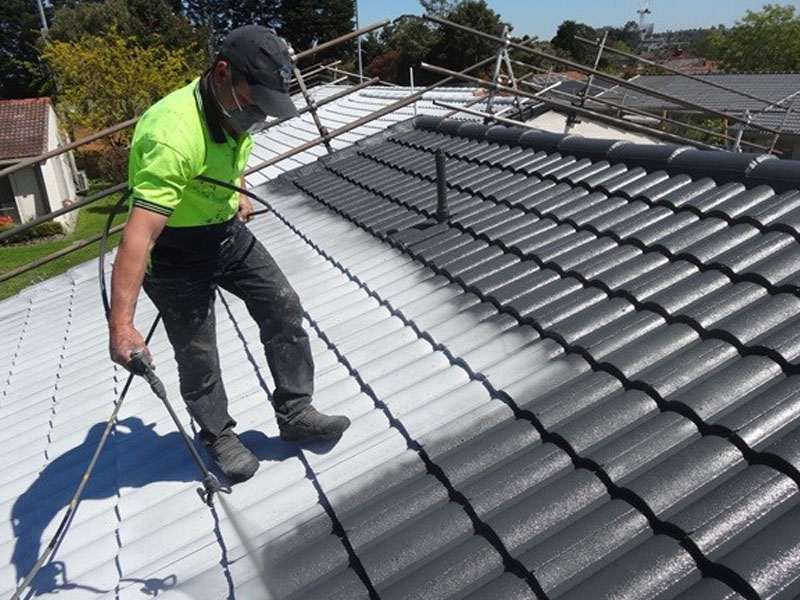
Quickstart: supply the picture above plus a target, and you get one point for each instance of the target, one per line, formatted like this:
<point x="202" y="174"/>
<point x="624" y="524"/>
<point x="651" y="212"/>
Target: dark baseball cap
<point x="262" y="58"/>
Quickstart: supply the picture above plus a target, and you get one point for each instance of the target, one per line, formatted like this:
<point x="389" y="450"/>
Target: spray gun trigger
<point x="140" y="364"/>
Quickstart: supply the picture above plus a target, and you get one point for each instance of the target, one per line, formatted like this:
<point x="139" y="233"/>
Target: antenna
<point x="644" y="9"/>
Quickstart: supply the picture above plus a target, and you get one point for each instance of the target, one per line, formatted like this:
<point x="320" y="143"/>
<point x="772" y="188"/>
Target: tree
<point x="440" y="8"/>
<point x="409" y="42"/>
<point x="19" y="49"/>
<point x="305" y="23"/>
<point x="629" y="34"/>
<point x="458" y="50"/>
<point x="218" y="17"/>
<point x="763" y="41"/>
<point x="105" y="79"/>
<point x="260" y="12"/>
<point x="152" y="22"/>
<point x="565" y="40"/>
<point x="709" y="44"/>
<point x="384" y="66"/>
<point x="372" y="46"/>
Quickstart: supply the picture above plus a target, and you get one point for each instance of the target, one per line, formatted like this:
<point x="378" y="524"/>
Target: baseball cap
<point x="262" y="57"/>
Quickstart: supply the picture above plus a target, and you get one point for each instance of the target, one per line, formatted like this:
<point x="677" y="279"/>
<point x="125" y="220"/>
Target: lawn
<point x="91" y="220"/>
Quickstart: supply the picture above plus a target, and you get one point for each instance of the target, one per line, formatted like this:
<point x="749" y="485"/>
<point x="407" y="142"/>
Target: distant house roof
<point x="23" y="127"/>
<point x="690" y="64"/>
<point x="584" y="384"/>
<point x="777" y="89"/>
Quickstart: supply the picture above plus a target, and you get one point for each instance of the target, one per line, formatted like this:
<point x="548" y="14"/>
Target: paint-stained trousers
<point x="185" y="297"/>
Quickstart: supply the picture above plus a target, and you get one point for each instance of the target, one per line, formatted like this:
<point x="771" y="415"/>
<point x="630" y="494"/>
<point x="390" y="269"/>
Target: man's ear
<point x="221" y="70"/>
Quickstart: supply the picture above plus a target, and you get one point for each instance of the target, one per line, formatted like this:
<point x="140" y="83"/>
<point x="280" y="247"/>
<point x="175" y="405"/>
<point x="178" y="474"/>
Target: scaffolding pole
<point x="643" y="113"/>
<point x="572" y="118"/>
<point x="783" y="124"/>
<point x="651" y="63"/>
<point x="501" y="57"/>
<point x="365" y="119"/>
<point x="130" y="122"/>
<point x="566" y="107"/>
<point x="589" y="71"/>
<point x="311" y="105"/>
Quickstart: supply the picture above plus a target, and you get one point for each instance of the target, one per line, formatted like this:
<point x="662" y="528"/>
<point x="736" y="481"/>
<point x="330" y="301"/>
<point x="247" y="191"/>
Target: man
<point x="185" y="237"/>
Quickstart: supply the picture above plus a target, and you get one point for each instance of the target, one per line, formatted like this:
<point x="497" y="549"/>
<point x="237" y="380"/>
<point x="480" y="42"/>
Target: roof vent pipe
<point x="442" y="213"/>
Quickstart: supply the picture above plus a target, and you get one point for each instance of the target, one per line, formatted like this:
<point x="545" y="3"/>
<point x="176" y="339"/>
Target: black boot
<point x="312" y="426"/>
<point x="232" y="457"/>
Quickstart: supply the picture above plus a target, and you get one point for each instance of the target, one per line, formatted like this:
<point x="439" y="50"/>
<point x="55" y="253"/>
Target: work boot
<point x="233" y="458"/>
<point x="313" y="426"/>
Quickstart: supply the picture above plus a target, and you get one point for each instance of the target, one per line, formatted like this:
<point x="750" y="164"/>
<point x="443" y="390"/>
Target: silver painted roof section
<point x="141" y="529"/>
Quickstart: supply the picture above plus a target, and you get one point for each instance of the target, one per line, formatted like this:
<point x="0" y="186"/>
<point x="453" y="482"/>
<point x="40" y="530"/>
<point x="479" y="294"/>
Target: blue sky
<point x="542" y="17"/>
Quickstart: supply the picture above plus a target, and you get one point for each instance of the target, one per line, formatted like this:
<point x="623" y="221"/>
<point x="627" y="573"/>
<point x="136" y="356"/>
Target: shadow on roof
<point x="35" y="509"/>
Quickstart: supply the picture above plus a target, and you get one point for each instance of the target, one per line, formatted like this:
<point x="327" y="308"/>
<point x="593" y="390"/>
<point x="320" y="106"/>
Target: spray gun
<point x="211" y="485"/>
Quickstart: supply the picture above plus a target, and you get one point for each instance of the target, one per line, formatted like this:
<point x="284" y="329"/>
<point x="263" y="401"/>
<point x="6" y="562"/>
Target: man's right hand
<point x="123" y="340"/>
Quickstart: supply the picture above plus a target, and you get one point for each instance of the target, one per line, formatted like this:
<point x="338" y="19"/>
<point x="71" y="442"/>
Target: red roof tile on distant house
<point x="23" y="127"/>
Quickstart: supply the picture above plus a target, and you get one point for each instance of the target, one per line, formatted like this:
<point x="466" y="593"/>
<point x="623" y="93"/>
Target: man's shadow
<point x="134" y="456"/>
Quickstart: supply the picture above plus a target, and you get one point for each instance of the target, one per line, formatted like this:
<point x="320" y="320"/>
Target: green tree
<point x="440" y="8"/>
<point x="109" y="78"/>
<point x="217" y="17"/>
<point x="151" y="22"/>
<point x="19" y="49"/>
<point x="305" y="23"/>
<point x="629" y="34"/>
<point x="407" y="42"/>
<point x="456" y="49"/>
<point x="565" y="40"/>
<point x="709" y="43"/>
<point x="260" y="12"/>
<point x="763" y="41"/>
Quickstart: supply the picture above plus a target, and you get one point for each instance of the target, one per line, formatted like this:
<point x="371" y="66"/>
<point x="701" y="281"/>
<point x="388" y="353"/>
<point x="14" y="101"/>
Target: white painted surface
<point x="141" y="528"/>
<point x="556" y="123"/>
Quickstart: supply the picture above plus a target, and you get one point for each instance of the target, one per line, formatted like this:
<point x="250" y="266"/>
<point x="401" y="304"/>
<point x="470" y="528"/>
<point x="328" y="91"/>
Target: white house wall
<point x="56" y="174"/>
<point x="26" y="190"/>
<point x="556" y="122"/>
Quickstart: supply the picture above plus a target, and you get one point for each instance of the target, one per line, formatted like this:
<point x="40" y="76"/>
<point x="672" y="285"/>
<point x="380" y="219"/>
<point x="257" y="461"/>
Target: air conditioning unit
<point x="81" y="182"/>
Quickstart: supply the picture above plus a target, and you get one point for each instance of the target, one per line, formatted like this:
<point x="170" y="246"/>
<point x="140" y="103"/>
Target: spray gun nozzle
<point x="211" y="486"/>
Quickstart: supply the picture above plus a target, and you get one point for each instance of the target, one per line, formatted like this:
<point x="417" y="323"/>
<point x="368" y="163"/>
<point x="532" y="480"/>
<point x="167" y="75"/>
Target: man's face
<point x="242" y="114"/>
<point x="225" y="89"/>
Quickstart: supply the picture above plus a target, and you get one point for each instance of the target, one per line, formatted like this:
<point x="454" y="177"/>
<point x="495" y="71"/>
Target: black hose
<point x="101" y="257"/>
<point x="101" y="267"/>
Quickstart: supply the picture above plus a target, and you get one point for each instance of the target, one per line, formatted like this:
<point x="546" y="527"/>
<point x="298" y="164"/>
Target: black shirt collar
<point x="211" y="112"/>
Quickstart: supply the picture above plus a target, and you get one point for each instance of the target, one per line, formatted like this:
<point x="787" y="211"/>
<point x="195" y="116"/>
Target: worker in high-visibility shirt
<point x="185" y="238"/>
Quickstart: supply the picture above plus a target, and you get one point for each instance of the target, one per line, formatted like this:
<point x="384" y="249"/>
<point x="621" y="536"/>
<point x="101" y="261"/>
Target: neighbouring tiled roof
<point x="772" y="87"/>
<point x="581" y="386"/>
<point x="23" y="127"/>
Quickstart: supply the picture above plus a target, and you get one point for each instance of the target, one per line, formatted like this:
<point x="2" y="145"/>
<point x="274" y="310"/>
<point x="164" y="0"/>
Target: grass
<point x="91" y="220"/>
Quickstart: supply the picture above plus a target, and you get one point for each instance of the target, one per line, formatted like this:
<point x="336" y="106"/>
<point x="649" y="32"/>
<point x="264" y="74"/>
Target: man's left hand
<point x="245" y="213"/>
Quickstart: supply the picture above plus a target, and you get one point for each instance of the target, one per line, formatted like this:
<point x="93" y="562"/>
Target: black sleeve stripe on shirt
<point x="151" y="206"/>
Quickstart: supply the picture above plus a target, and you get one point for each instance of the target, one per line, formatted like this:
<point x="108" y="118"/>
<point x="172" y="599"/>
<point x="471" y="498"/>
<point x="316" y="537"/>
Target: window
<point x="8" y="204"/>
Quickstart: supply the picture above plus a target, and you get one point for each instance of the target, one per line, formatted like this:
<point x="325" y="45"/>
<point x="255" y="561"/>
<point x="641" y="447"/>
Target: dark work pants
<point x="185" y="298"/>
